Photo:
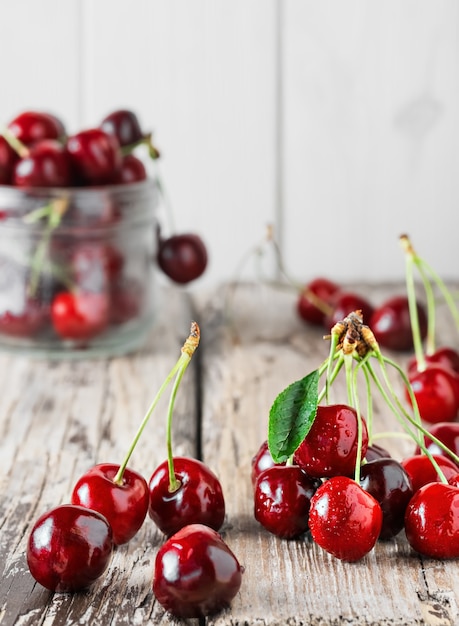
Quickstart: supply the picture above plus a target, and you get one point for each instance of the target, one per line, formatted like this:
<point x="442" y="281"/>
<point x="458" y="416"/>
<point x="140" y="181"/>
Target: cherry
<point x="124" y="125"/>
<point x="330" y="447"/>
<point x="25" y="323"/>
<point x="436" y="390"/>
<point x="282" y="499"/>
<point x="391" y="324"/>
<point x="95" y="156"/>
<point x="432" y="521"/>
<point x="183" y="258"/>
<point x="447" y="433"/>
<point x="421" y="470"/>
<point x="344" y="519"/>
<point x="343" y="303"/>
<point x="32" y="126"/>
<point x="196" y="574"/>
<point x="389" y="483"/>
<point x="126" y="298"/>
<point x="448" y="357"/>
<point x="314" y="301"/>
<point x="260" y="461"/>
<point x="198" y="498"/>
<point x="8" y="158"/>
<point x="80" y="315"/>
<point x="375" y="451"/>
<point x="91" y="265"/>
<point x="123" y="504"/>
<point x="46" y="165"/>
<point x="132" y="170"/>
<point x="69" y="548"/>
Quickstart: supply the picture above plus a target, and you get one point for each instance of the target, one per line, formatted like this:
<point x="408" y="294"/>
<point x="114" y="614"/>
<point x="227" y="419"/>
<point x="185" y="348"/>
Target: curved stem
<point x="188" y="349"/>
<point x="411" y="293"/>
<point x="445" y="293"/>
<point x="174" y="484"/>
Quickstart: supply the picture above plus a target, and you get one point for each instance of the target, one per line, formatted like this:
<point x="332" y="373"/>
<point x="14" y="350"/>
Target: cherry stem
<point x="21" y="149"/>
<point x="353" y="374"/>
<point x="445" y="293"/>
<point x="54" y="212"/>
<point x="187" y="352"/>
<point x="412" y="304"/>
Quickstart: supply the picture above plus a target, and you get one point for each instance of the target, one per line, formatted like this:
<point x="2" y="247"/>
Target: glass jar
<point x="77" y="269"/>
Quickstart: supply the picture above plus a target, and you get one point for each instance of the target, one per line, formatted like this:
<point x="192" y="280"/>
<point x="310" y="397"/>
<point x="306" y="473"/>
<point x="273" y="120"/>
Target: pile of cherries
<point x="321" y="472"/>
<point x="82" y="291"/>
<point x="195" y="572"/>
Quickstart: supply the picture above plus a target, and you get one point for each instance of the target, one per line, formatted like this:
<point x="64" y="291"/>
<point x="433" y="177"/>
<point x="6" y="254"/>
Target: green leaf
<point x="291" y="416"/>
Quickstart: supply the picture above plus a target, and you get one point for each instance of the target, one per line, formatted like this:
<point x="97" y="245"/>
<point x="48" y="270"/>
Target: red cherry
<point x="345" y="302"/>
<point x="132" y="170"/>
<point x="32" y="126"/>
<point x="196" y="574"/>
<point x="8" y="158"/>
<point x="448" y="357"/>
<point x="344" y="519"/>
<point x="80" y="315"/>
<point x="330" y="447"/>
<point x="183" y="258"/>
<point x="260" y="461"/>
<point x="69" y="548"/>
<point x="388" y="482"/>
<point x="432" y="521"/>
<point x="447" y="433"/>
<point x="91" y="265"/>
<point x="28" y="322"/>
<point x="46" y="165"/>
<point x="391" y="324"/>
<point x="124" y="505"/>
<point x="436" y="390"/>
<point x="421" y="471"/>
<point x="315" y="300"/>
<point x="124" y="125"/>
<point x="282" y="500"/>
<point x="199" y="498"/>
<point x="95" y="156"/>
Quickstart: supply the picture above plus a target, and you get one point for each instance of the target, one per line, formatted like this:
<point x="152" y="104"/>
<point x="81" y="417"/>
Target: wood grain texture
<point x="295" y="582"/>
<point x="56" y="420"/>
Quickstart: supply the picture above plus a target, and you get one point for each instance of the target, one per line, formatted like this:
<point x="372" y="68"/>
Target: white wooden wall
<point x="337" y="121"/>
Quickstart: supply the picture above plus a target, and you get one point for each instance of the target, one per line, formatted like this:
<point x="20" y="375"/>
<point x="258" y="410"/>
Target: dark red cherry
<point x="46" y="165"/>
<point x="198" y="499"/>
<point x="183" y="258"/>
<point x="447" y="433"/>
<point x="282" y="499"/>
<point x="69" y="548"/>
<point x="32" y="126"/>
<point x="260" y="461"/>
<point x="196" y="574"/>
<point x="330" y="447"/>
<point x="124" y="125"/>
<point x="375" y="451"/>
<point x="123" y="504"/>
<point x="80" y="315"/>
<point x="8" y="158"/>
<point x="391" y="324"/>
<point x="344" y="519"/>
<point x="432" y="521"/>
<point x="421" y="470"/>
<point x="345" y="302"/>
<point x="95" y="156"/>
<point x="132" y="170"/>
<point x="388" y="482"/>
<point x="314" y="301"/>
<point x="436" y="390"/>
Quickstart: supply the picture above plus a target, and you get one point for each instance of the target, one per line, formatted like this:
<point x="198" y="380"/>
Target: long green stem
<point x="174" y="483"/>
<point x="411" y="294"/>
<point x="188" y="349"/>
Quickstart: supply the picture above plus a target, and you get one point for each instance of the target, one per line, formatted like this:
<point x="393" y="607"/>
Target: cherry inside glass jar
<point x="77" y="271"/>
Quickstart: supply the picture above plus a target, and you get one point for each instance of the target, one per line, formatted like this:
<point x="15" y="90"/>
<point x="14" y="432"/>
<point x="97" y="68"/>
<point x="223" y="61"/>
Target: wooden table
<point x="58" y="418"/>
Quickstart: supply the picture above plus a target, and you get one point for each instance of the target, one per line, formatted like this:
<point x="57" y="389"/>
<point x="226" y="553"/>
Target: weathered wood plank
<point x="295" y="582"/>
<point x="56" y="420"/>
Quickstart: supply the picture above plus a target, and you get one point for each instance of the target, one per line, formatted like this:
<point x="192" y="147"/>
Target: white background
<point x="337" y="121"/>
